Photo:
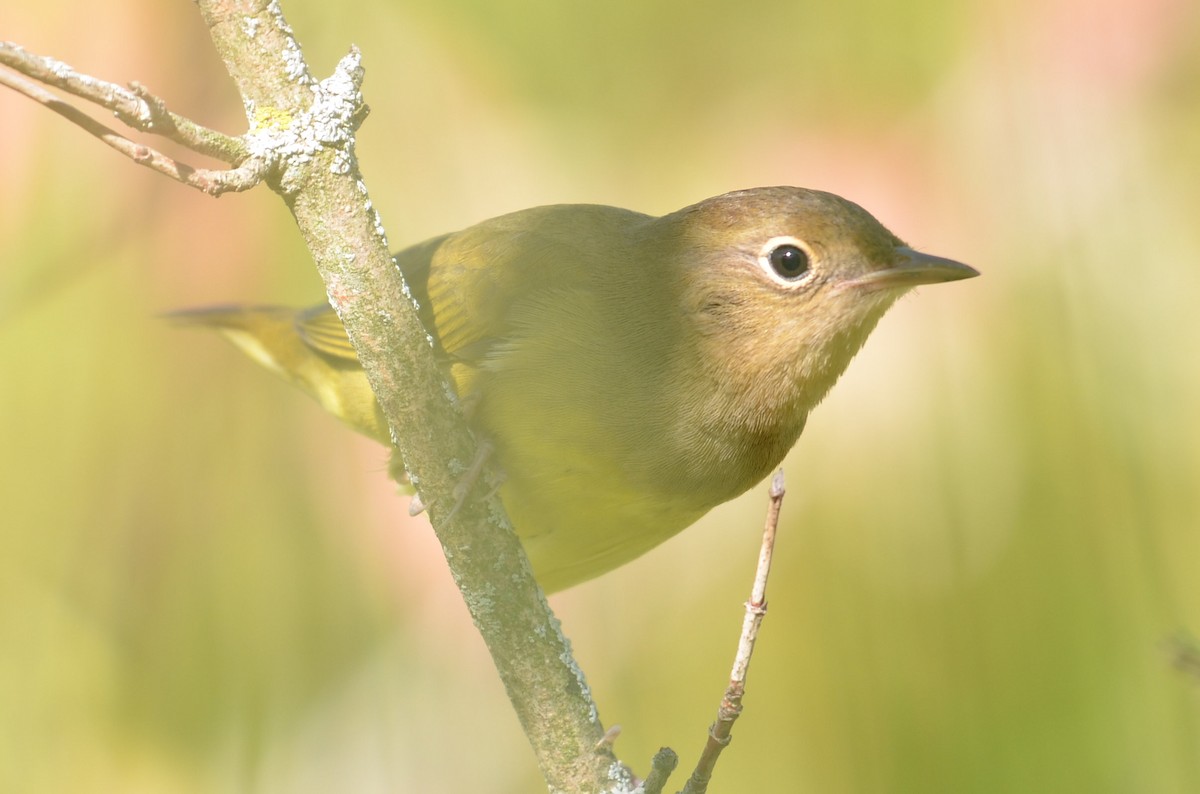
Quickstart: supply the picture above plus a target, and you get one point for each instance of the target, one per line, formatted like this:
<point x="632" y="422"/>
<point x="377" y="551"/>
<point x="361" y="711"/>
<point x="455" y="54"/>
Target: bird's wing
<point x="471" y="286"/>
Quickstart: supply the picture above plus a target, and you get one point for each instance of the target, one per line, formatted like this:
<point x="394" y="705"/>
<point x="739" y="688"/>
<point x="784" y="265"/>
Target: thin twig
<point x="212" y="182"/>
<point x="134" y="106"/>
<point x="731" y="705"/>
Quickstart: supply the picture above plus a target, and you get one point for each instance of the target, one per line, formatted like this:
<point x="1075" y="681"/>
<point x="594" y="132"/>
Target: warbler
<point x="630" y="372"/>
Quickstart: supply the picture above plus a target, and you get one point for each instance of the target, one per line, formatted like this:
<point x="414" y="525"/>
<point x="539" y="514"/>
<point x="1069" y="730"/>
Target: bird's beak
<point x="913" y="268"/>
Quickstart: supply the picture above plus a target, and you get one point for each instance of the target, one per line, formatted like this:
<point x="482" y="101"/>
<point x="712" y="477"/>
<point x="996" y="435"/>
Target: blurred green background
<point x="993" y="524"/>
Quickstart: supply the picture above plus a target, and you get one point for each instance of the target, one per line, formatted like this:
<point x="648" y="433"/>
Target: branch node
<point x="329" y="123"/>
<point x="152" y="116"/>
<point x="608" y="739"/>
<point x="714" y="732"/>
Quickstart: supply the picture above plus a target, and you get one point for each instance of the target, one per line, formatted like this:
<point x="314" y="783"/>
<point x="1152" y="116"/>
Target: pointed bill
<point x="913" y="268"/>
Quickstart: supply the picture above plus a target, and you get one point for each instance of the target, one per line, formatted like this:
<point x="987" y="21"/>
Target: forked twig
<point x="141" y="110"/>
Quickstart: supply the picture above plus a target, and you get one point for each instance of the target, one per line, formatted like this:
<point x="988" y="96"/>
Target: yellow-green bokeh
<point x="993" y="525"/>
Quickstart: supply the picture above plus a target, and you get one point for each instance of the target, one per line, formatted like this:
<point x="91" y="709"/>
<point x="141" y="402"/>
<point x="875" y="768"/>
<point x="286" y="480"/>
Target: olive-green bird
<point x="630" y="372"/>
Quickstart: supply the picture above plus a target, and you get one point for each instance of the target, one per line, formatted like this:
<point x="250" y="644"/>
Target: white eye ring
<point x="787" y="260"/>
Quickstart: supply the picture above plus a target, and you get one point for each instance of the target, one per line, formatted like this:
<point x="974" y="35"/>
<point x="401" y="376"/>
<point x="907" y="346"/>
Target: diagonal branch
<point x="302" y="131"/>
<point x="311" y="126"/>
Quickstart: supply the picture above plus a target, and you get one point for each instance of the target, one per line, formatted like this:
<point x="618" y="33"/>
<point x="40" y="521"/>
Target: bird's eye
<point x="789" y="261"/>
